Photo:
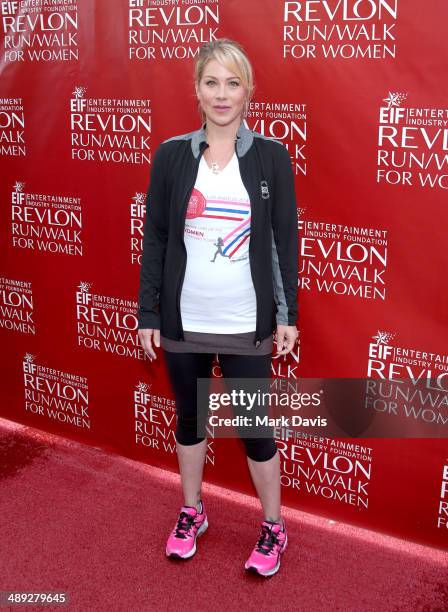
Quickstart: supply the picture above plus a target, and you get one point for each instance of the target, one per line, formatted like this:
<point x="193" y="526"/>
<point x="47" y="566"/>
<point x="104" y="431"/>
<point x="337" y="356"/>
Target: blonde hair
<point x="233" y="56"/>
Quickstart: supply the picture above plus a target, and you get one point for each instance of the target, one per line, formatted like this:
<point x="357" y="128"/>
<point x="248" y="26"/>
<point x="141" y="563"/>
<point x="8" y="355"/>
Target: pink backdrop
<point x="357" y="90"/>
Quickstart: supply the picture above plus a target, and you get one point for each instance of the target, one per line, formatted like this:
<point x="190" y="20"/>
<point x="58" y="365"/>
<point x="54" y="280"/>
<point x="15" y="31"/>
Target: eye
<point x="209" y="82"/>
<point x="234" y="83"/>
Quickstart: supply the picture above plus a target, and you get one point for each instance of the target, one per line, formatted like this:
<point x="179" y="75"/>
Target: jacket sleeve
<point x="285" y="244"/>
<point x="155" y="235"/>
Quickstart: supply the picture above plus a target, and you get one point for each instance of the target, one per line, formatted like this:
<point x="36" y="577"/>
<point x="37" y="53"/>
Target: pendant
<point x="215" y="168"/>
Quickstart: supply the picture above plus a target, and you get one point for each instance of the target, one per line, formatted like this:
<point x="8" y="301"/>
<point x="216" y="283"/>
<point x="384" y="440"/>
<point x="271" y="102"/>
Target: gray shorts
<point x="234" y="344"/>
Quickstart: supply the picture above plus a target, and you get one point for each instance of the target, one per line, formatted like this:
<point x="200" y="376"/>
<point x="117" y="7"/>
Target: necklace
<point x="215" y="167"/>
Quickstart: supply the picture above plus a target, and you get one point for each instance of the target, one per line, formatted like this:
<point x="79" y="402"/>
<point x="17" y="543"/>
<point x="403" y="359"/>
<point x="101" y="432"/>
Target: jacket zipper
<point x="257" y="340"/>
<point x="184" y="212"/>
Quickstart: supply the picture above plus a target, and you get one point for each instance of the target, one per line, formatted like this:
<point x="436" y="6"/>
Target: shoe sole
<point x="189" y="554"/>
<point x="273" y="571"/>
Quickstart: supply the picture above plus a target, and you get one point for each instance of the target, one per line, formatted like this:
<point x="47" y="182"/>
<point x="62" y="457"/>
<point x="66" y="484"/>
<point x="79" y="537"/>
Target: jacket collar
<point x="244" y="139"/>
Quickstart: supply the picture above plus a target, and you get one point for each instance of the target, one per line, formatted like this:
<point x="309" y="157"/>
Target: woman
<point x="219" y="276"/>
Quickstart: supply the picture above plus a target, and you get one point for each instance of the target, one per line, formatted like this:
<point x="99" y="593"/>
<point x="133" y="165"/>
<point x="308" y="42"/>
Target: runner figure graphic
<point x="219" y="243"/>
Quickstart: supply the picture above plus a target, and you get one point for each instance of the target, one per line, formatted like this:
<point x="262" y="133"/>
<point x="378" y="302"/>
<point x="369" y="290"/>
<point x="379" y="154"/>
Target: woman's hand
<point x="147" y="336"/>
<point x="286" y="338"/>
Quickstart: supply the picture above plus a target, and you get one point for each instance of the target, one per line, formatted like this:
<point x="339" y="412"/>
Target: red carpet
<point x="95" y="524"/>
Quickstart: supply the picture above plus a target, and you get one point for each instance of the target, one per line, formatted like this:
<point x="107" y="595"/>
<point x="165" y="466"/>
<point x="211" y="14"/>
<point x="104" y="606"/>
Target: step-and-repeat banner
<point x="357" y="91"/>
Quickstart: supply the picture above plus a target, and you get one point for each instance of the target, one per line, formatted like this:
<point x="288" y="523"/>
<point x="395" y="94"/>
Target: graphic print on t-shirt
<point x="196" y="204"/>
<point x="230" y="217"/>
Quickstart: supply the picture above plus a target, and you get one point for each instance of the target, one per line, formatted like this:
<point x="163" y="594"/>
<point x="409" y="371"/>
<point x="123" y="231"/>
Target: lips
<point x="221" y="107"/>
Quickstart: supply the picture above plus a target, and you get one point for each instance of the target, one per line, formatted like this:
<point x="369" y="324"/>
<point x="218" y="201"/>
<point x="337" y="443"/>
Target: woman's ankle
<point x="196" y="505"/>
<point x="279" y="520"/>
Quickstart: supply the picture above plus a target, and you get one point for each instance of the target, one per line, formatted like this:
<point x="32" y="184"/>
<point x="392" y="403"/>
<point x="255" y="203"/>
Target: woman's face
<point x="221" y="94"/>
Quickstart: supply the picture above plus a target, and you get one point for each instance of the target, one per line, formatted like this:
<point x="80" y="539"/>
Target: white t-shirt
<point x="218" y="295"/>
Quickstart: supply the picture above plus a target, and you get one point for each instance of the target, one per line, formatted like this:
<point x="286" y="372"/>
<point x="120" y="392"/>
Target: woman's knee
<point x="187" y="438"/>
<point x="187" y="428"/>
<point x="260" y="449"/>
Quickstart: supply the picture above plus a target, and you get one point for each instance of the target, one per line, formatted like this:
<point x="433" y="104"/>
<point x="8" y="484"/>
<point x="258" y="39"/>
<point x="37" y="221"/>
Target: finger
<point x="280" y="340"/>
<point x="148" y="346"/>
<point x="157" y="337"/>
<point x="151" y="350"/>
<point x="289" y="342"/>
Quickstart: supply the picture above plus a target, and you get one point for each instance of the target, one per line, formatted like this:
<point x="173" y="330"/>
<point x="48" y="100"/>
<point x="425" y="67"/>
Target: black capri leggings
<point x="185" y="368"/>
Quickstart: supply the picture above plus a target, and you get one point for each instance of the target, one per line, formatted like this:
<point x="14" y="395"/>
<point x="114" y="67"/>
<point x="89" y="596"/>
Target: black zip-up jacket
<point x="266" y="172"/>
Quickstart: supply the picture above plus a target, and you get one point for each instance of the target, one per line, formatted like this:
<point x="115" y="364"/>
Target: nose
<point x="221" y="91"/>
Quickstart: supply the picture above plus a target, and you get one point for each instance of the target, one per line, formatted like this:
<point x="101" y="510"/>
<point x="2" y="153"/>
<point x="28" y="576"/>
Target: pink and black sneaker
<point x="265" y="557"/>
<point x="190" y="524"/>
